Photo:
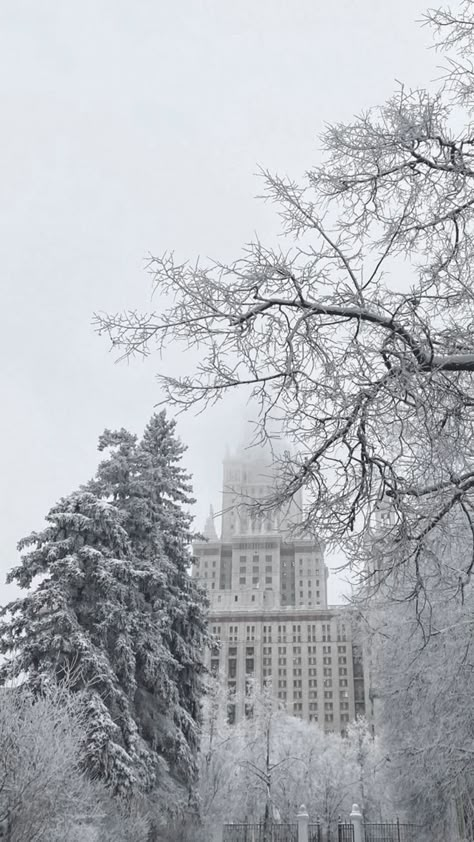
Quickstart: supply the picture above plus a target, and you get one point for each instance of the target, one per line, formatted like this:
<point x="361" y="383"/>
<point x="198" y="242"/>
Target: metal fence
<point x="314" y="832"/>
<point x="391" y="832"/>
<point x="281" y="832"/>
<point x="272" y="832"/>
<point x="345" y="832"/>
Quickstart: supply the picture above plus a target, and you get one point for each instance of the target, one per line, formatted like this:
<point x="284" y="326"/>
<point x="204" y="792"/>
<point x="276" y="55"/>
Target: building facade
<point x="269" y="611"/>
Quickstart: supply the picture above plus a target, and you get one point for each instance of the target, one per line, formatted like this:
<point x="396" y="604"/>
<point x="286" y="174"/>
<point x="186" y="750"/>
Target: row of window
<point x="282" y="672"/>
<point x="281" y="635"/>
<point x="282" y="658"/>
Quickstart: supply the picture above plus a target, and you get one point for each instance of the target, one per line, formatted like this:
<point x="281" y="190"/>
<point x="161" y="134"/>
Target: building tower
<point x="268" y="605"/>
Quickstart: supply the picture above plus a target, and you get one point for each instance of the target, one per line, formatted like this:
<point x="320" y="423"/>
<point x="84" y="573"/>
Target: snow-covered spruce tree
<point x="146" y="482"/>
<point x="115" y="608"/>
<point x="79" y="621"/>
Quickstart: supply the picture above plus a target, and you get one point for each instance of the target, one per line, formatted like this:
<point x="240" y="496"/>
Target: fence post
<point x="356" y="822"/>
<point x="302" y="818"/>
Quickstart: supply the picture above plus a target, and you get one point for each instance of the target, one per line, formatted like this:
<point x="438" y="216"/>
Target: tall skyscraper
<point x="268" y="606"/>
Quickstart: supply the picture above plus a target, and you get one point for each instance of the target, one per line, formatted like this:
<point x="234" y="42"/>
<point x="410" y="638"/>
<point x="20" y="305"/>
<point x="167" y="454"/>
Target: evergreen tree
<point x="78" y="622"/>
<point x="116" y="610"/>
<point x="146" y="482"/>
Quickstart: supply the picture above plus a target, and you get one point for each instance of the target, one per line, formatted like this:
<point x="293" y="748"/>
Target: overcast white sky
<point x="135" y="126"/>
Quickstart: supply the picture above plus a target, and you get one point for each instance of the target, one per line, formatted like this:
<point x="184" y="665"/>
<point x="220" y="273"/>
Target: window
<point x="232" y="667"/>
<point x="313" y="694"/>
<point x="282" y="682"/>
<point x="242" y="580"/>
<point x="328" y="694"/>
<point x="297" y="682"/>
<point x="326" y="632"/>
<point x="250" y="633"/>
<point x="342" y="659"/>
<point x="312" y="682"/>
<point x="267" y="634"/>
<point x="312" y="671"/>
<point x="328" y="717"/>
<point x="214" y="665"/>
<point x="327" y="672"/>
<point x="249" y="666"/>
<point x="236" y="598"/>
<point x="327" y="661"/>
<point x="282" y="650"/>
<point x="297" y="671"/>
<point x="313" y="706"/>
<point x="281" y="634"/>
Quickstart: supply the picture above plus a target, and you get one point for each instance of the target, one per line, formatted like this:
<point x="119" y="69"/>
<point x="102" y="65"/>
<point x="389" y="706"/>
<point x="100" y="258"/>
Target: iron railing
<point x="271" y="832"/>
<point x="314" y="832"/>
<point x="345" y="832"/>
<point x="391" y="832"/>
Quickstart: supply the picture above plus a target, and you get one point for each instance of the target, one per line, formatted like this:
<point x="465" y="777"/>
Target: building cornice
<point x="275" y="615"/>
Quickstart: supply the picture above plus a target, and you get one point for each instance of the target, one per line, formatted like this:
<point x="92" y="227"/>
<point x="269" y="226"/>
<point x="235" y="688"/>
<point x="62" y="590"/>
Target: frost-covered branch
<point x="355" y="338"/>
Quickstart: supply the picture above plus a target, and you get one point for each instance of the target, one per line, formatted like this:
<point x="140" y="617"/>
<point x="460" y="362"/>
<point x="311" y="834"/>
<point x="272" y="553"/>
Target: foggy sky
<point x="136" y="126"/>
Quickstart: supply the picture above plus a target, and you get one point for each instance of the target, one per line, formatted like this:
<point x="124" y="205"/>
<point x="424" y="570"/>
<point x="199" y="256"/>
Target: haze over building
<point x="268" y="605"/>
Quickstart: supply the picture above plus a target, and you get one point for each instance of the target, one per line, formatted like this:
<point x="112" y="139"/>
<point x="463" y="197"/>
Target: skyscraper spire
<point x="209" y="528"/>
